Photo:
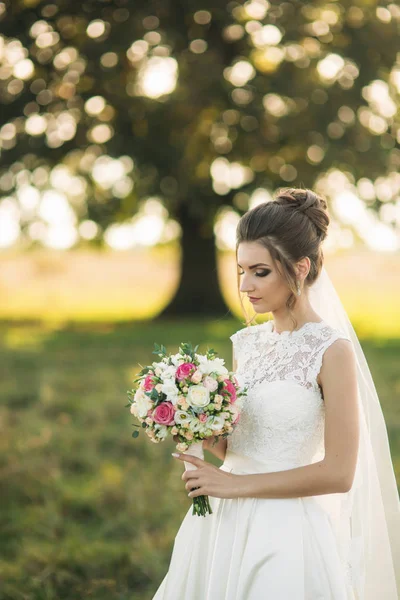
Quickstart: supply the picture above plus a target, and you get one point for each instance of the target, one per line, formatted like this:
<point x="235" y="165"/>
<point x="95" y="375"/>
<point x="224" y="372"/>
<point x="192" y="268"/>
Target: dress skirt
<point x="256" y="549"/>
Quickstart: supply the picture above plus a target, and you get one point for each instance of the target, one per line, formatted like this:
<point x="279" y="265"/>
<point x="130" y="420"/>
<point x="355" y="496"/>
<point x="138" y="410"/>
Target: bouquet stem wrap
<point x="201" y="504"/>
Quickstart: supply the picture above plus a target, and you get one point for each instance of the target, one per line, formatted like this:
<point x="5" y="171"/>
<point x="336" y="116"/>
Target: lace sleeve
<point x="235" y="338"/>
<point x="316" y="363"/>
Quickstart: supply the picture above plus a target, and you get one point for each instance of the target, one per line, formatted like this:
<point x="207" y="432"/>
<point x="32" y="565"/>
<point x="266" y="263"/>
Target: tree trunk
<point x="199" y="291"/>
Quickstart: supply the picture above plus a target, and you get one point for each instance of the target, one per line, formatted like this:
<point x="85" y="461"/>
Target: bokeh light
<point x="243" y="139"/>
<point x="157" y="77"/>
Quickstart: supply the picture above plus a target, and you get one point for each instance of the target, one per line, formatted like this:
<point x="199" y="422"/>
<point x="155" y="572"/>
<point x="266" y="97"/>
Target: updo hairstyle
<point x="290" y="227"/>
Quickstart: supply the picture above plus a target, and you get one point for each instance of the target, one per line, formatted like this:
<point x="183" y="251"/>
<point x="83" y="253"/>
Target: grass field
<point x="87" y="511"/>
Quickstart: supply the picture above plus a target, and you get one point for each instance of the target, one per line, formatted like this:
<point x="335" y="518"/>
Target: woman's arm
<point x="335" y="472"/>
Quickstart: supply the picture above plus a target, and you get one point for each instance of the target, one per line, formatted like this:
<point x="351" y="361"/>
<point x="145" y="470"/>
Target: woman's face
<point x="259" y="279"/>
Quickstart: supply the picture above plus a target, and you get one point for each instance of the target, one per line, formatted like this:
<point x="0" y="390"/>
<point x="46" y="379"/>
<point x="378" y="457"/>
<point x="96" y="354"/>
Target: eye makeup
<point x="259" y="274"/>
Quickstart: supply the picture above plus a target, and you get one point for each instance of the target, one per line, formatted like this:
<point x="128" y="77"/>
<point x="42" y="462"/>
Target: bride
<point x="305" y="505"/>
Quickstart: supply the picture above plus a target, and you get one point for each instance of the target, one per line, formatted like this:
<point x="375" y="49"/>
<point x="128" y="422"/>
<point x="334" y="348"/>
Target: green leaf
<point x="153" y="395"/>
<point x="135" y="434"/>
<point x="160" y="350"/>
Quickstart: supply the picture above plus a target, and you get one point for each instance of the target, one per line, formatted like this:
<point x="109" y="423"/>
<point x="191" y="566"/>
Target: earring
<point x="298" y="288"/>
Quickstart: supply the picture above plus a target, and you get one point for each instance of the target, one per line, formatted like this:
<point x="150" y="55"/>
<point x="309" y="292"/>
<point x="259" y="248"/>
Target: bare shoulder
<point x="338" y="380"/>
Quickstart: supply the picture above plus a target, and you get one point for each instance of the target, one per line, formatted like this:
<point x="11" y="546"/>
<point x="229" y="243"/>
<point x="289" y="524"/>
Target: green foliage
<point x="287" y="120"/>
<point x="160" y="350"/>
<point x="86" y="510"/>
<point x="314" y="100"/>
<point x="186" y="350"/>
<point x="153" y="395"/>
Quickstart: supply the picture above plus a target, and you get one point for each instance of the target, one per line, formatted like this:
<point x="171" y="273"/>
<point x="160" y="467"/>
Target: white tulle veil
<point x="366" y="519"/>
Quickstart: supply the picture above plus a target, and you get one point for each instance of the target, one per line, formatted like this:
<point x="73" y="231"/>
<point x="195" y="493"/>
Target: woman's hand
<point x="208" y="479"/>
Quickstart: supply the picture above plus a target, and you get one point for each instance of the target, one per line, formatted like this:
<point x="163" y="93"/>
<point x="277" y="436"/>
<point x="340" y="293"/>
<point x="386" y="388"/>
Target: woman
<point x="305" y="505"/>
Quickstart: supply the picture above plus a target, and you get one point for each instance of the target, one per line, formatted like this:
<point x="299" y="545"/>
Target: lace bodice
<point x="282" y="419"/>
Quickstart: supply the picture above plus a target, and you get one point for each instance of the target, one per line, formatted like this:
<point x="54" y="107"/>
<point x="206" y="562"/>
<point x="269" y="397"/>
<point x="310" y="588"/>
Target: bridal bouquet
<point x="190" y="396"/>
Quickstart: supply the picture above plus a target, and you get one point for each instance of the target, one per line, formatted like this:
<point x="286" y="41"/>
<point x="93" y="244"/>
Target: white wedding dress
<point x="266" y="548"/>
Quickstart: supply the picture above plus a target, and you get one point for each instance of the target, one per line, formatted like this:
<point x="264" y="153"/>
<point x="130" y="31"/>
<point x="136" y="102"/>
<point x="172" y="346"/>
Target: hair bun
<point x="306" y="201"/>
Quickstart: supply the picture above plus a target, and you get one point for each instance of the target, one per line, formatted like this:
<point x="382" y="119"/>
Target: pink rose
<point x="184" y="370"/>
<point x="164" y="414"/>
<point x="230" y="389"/>
<point x="148" y="382"/>
<point x="203" y="418"/>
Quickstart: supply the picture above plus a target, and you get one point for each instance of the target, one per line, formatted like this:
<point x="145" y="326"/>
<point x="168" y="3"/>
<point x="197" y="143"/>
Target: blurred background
<point x="133" y="137"/>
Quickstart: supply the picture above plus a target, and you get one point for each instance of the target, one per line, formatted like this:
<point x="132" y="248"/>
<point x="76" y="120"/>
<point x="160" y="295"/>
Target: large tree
<point x="211" y="100"/>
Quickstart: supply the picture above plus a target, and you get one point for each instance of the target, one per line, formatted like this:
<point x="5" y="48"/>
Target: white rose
<point x="170" y="390"/>
<point x="158" y="387"/>
<point x="210" y="383"/>
<point x="198" y="396"/>
<point x="143" y="403"/>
